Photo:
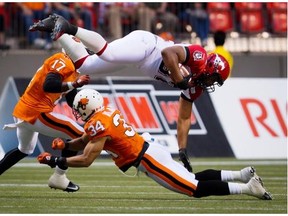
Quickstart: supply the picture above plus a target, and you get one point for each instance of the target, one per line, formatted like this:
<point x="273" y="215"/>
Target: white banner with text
<point x="253" y="114"/>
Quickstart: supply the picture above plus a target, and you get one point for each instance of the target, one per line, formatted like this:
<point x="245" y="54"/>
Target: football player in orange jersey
<point x="106" y="129"/>
<point x="182" y="66"/>
<point x="34" y="114"/>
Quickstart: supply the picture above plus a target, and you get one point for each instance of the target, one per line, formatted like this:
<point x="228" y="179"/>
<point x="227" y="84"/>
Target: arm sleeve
<point x="70" y="97"/>
<point x="53" y="83"/>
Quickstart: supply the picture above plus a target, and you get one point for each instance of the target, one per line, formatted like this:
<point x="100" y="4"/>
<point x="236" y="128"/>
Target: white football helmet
<point x="87" y="102"/>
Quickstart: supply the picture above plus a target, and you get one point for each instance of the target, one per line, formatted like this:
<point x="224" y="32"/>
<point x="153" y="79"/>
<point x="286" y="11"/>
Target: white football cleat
<point x="61" y="182"/>
<point x="247" y="173"/>
<point x="255" y="185"/>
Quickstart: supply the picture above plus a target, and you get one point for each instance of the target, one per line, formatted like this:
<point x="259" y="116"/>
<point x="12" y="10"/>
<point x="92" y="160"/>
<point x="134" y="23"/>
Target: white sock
<point x="227" y="175"/>
<point x="75" y="50"/>
<point x="92" y="40"/>
<point x="245" y="189"/>
<point x="60" y="171"/>
<point x="235" y="188"/>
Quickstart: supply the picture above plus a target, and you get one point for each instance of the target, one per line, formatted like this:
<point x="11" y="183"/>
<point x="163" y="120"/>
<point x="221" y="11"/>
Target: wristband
<point x="183" y="84"/>
<point x="61" y="162"/>
<point x="70" y="86"/>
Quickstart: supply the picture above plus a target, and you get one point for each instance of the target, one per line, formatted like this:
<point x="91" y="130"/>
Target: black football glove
<point x="52" y="161"/>
<point x="185" y="83"/>
<point x="185" y="159"/>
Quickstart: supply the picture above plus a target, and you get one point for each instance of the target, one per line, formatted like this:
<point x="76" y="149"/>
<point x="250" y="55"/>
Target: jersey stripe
<point x="60" y="125"/>
<point x="168" y="175"/>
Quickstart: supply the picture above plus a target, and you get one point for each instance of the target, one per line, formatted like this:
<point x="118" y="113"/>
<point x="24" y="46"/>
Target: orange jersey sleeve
<point x="124" y="143"/>
<point x="34" y="100"/>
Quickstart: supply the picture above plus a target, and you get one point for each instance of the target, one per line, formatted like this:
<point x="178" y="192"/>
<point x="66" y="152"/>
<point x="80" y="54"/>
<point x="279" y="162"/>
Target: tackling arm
<point x="90" y="153"/>
<point x="76" y="144"/>
<point x="53" y="83"/>
<point x="172" y="56"/>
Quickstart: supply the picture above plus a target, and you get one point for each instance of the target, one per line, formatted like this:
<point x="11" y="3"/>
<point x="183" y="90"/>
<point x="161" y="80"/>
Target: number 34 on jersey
<point x="109" y="121"/>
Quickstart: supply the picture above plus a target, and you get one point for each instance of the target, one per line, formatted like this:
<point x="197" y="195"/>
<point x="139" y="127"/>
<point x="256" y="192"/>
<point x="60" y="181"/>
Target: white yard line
<point x="199" y="163"/>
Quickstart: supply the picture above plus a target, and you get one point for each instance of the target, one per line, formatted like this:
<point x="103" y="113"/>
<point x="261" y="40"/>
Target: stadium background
<point x="259" y="53"/>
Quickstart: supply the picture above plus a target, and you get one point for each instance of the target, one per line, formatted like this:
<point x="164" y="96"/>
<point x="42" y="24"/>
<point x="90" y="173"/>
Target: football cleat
<point x="61" y="27"/>
<point x="61" y="182"/>
<point x="72" y="187"/>
<point x="247" y="173"/>
<point x="46" y="25"/>
<point x="255" y="185"/>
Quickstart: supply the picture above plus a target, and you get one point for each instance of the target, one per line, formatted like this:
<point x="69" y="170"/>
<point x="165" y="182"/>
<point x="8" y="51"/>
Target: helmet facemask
<point x="216" y="72"/>
<point x="208" y="81"/>
<point x="80" y="110"/>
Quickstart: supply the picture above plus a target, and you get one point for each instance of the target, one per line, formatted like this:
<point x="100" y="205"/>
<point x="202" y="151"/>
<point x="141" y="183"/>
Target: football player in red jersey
<point x="33" y="114"/>
<point x="106" y="129"/>
<point x="182" y="66"/>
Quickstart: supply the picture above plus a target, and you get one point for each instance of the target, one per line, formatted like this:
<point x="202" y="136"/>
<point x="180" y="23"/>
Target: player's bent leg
<point x="219" y="188"/>
<point x="74" y="49"/>
<point x="64" y="127"/>
<point x="208" y="174"/>
<point x="59" y="180"/>
<point x="212" y="187"/>
<point x="11" y="158"/>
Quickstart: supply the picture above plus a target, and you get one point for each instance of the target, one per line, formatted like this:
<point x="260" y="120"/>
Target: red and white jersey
<point x="195" y="63"/>
<point x="34" y="100"/>
<point x="142" y="49"/>
<point x="124" y="143"/>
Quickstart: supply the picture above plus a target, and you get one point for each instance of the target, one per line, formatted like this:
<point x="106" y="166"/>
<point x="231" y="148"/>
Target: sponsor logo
<point x="144" y="107"/>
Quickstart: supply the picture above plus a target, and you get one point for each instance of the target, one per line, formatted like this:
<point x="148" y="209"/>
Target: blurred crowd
<point x="116" y="19"/>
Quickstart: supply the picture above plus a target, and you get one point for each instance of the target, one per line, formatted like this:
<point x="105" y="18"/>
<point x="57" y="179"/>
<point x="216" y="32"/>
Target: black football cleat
<point x="61" y="182"/>
<point x="45" y="25"/>
<point x="62" y="26"/>
<point x="72" y="187"/>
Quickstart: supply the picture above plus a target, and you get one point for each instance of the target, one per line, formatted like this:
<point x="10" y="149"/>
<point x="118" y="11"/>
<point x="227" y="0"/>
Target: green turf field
<point x="104" y="190"/>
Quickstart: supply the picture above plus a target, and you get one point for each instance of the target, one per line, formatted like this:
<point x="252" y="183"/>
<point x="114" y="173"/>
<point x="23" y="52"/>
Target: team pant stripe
<point x="58" y="124"/>
<point x="168" y="176"/>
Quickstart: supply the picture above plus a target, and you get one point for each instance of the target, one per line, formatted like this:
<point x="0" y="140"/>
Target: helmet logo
<point x="219" y="62"/>
<point x="197" y="56"/>
<point x="82" y="103"/>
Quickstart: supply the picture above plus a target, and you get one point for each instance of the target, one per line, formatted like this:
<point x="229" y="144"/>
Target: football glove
<point x="52" y="161"/>
<point x="185" y="83"/>
<point x="58" y="143"/>
<point x="185" y="159"/>
<point x="82" y="80"/>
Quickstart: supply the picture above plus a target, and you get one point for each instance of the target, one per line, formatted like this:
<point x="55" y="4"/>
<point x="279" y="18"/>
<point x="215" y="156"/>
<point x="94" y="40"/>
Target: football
<point x="185" y="71"/>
